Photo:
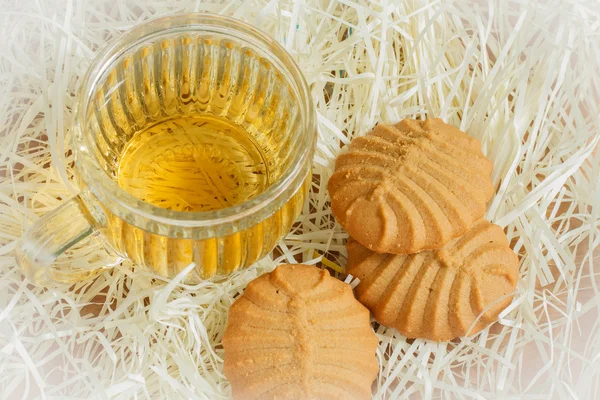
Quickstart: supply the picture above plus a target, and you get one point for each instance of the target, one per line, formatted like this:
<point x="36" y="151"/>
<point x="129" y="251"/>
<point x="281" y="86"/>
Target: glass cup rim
<point x="106" y="190"/>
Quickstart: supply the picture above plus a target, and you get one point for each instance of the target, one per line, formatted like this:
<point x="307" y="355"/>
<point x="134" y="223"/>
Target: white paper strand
<point x="521" y="76"/>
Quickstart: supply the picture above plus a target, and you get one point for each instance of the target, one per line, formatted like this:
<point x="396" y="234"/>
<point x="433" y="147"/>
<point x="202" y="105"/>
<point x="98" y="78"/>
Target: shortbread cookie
<point x="298" y="333"/>
<point x="411" y="186"/>
<point x="438" y="294"/>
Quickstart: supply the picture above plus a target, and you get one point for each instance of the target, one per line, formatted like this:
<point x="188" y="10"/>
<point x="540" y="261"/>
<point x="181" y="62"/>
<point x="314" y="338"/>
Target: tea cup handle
<point x="53" y="234"/>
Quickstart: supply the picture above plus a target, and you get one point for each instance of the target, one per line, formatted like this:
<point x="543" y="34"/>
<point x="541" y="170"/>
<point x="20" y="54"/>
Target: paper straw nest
<point x="522" y="77"/>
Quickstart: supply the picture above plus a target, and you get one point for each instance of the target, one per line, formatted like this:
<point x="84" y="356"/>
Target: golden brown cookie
<point x="298" y="333"/>
<point x="411" y="186"/>
<point x="438" y="294"/>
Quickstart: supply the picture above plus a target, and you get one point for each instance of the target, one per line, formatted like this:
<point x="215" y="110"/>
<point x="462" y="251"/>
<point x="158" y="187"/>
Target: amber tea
<point x="193" y="163"/>
<point x="196" y="125"/>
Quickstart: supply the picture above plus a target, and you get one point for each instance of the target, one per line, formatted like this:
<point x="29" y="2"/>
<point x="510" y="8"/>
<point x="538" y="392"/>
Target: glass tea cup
<point x="180" y="67"/>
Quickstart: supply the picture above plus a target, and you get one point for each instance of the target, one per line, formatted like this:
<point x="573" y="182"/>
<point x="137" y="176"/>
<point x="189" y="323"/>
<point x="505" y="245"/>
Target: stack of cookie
<point x="412" y="197"/>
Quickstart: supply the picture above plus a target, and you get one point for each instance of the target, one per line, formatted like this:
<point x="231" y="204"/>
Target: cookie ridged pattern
<point x="438" y="294"/>
<point x="410" y="187"/>
<point x="299" y="333"/>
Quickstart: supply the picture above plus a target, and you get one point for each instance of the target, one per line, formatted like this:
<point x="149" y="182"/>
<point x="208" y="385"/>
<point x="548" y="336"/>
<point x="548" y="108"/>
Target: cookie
<point x="438" y="294"/>
<point x="411" y="186"/>
<point x="298" y="333"/>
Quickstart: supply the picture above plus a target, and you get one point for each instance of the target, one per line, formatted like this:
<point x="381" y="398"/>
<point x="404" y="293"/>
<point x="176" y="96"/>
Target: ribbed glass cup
<point x="192" y="64"/>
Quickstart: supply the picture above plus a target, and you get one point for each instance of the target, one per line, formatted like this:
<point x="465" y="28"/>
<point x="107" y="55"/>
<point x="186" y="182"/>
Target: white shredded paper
<point x="521" y="76"/>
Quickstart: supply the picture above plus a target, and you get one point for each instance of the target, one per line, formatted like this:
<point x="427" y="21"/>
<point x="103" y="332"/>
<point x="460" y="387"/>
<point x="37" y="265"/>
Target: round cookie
<point x="438" y="294"/>
<point x="298" y="333"/>
<point x="411" y="186"/>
